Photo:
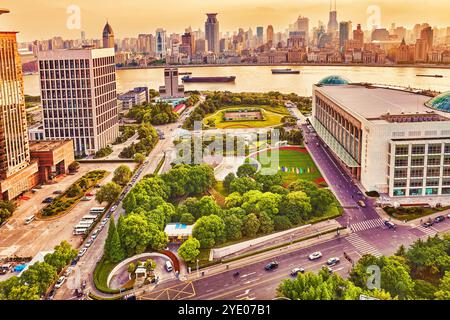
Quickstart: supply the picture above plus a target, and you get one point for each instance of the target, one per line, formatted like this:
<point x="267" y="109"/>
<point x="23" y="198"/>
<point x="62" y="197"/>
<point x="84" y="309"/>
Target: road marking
<point x="362" y="245"/>
<point x="244" y="294"/>
<point x="367" y="225"/>
<point x="429" y="232"/>
<point x="247" y="275"/>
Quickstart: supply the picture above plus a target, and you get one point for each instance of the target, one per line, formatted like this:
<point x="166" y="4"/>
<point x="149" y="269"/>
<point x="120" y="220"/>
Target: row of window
<point x="65" y="84"/>
<point x="65" y="74"/>
<point x="68" y="123"/>
<point x="435" y="148"/>
<point x="67" y="113"/>
<point x="69" y="133"/>
<point x="64" y="104"/>
<point x="419" y="172"/>
<point x="64" y="64"/>
<point x="433" y="160"/>
<point x="66" y="94"/>
<point x="419" y="192"/>
<point x="414" y="183"/>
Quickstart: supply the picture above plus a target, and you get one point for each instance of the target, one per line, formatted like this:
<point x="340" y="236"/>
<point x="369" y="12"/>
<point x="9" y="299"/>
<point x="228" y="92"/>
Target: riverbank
<point x="181" y="66"/>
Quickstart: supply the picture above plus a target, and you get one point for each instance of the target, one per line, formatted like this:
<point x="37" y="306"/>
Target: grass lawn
<point x="101" y="273"/>
<point x="296" y="157"/>
<point x="272" y="117"/>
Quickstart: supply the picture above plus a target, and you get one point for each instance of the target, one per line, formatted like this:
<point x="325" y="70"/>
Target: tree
<point x="41" y="275"/>
<point x="297" y="207"/>
<point x="122" y="175"/>
<point x="4" y="214"/>
<point x="113" y="247"/>
<point x="62" y="256"/>
<point x="266" y="223"/>
<point x="187" y="218"/>
<point x="269" y="181"/>
<point x="444" y="288"/>
<point x="158" y="239"/>
<point x="209" y="231"/>
<point x="150" y="264"/>
<point x="251" y="225"/>
<point x="134" y="231"/>
<point x="131" y="268"/>
<point x="233" y="227"/>
<point x="282" y="223"/>
<point x="129" y="203"/>
<point x="246" y="170"/>
<point x="74" y="191"/>
<point x="139" y="158"/>
<point x="108" y="193"/>
<point x="244" y="185"/>
<point x="228" y="180"/>
<point x="189" y="250"/>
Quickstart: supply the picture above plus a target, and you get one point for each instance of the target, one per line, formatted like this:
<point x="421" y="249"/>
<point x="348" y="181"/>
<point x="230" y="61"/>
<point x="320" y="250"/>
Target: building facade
<point x="393" y="141"/>
<point x="171" y="89"/>
<point x="108" y="36"/>
<point x="79" y="98"/>
<point x="212" y="32"/>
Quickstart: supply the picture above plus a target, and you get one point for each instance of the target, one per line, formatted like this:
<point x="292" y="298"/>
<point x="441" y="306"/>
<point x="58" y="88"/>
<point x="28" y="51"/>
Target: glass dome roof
<point x="334" y="81"/>
<point x="440" y="103"/>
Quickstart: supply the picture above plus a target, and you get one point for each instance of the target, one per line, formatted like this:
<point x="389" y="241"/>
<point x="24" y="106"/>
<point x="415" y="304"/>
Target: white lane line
<point x="247" y="275"/>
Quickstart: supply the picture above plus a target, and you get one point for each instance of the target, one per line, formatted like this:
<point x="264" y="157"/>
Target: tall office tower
<point x="344" y="34"/>
<point x="145" y="43"/>
<point x="427" y="35"/>
<point x="160" y="42"/>
<point x="332" y="22"/>
<point x="108" y="36"/>
<point x="212" y="32"/>
<point x="302" y="25"/>
<point x="188" y="43"/>
<point x="270" y="35"/>
<point x="260" y="35"/>
<point x="171" y="89"/>
<point x="79" y="99"/>
<point x="201" y="46"/>
<point x="17" y="173"/>
<point x="358" y="35"/>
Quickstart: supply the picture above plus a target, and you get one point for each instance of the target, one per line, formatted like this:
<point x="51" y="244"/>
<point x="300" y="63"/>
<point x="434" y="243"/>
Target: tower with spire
<point x="332" y="22"/>
<point x="108" y="36"/>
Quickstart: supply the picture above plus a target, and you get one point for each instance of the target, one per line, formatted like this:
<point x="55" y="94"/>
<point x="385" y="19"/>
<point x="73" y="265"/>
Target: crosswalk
<point x="429" y="232"/>
<point x="367" y="225"/>
<point x="363" y="246"/>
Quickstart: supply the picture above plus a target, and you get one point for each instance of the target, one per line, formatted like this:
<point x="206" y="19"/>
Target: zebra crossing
<point x="367" y="225"/>
<point x="429" y="232"/>
<point x="363" y="246"/>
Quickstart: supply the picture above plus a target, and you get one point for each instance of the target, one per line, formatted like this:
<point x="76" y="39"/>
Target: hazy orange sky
<point x="42" y="19"/>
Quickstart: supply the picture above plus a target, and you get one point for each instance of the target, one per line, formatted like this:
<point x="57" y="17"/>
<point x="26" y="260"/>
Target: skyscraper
<point x="171" y="89"/>
<point x="79" y="99"/>
<point x="212" y="32"/>
<point x="270" y="35"/>
<point x="358" y="35"/>
<point x="17" y="173"/>
<point x="344" y="34"/>
<point x="260" y="35"/>
<point x="302" y="25"/>
<point x="427" y="35"/>
<point x="332" y="22"/>
<point x="160" y="42"/>
<point x="108" y="36"/>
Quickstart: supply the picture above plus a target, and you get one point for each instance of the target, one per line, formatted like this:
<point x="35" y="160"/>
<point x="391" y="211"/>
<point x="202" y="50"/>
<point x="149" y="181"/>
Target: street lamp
<point x="198" y="273"/>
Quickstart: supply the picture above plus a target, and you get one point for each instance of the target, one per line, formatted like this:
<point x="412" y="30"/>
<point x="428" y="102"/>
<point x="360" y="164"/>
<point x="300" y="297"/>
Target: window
<point x="399" y="192"/>
<point x="418" y="149"/>
<point x="434" y="160"/>
<point x="432" y="182"/>
<point x="434" y="148"/>
<point x="447" y="148"/>
<point x="400" y="173"/>
<point x="416" y="183"/>
<point x="416" y="172"/>
<point x="433" y="172"/>
<point x="415" y="192"/>
<point x="431" y="191"/>
<point x="447" y="160"/>
<point x="445" y="190"/>
<point x="417" y="161"/>
<point x="400" y="184"/>
<point x="446" y="172"/>
<point x="446" y="182"/>
<point x="401" y="162"/>
<point x="401" y="150"/>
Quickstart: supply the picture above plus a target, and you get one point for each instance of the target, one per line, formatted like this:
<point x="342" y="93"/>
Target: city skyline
<point x="257" y="13"/>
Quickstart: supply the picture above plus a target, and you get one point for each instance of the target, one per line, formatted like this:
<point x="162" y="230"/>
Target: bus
<point x="86" y="224"/>
<point x="98" y="210"/>
<point x="89" y="217"/>
<point x="80" y="231"/>
<point x="30" y="219"/>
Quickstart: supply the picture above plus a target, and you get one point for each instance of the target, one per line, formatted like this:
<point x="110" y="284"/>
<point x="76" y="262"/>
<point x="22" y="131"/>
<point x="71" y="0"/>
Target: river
<point x="260" y="78"/>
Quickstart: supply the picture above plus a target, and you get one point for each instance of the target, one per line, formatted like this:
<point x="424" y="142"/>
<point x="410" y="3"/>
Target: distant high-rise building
<point x="201" y="46"/>
<point x="270" y="35"/>
<point x="145" y="43"/>
<point x="212" y="32"/>
<point x="188" y="43"/>
<point x="260" y="35"/>
<point x="332" y="21"/>
<point x="381" y="34"/>
<point x="171" y="89"/>
<point x="344" y="33"/>
<point x="79" y="99"/>
<point x="427" y="35"/>
<point x="302" y="25"/>
<point x="108" y="36"/>
<point x="358" y="35"/>
<point x="161" y="42"/>
<point x="17" y="173"/>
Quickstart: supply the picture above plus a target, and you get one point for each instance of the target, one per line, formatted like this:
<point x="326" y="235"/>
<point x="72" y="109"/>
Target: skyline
<point x="129" y="21"/>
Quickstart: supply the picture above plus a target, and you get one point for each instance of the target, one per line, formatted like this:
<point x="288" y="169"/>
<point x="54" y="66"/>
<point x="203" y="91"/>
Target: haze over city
<point x="145" y="16"/>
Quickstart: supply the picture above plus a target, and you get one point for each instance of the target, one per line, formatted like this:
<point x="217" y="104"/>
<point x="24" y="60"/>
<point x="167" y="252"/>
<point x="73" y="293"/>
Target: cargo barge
<point x="285" y="71"/>
<point x="208" y="79"/>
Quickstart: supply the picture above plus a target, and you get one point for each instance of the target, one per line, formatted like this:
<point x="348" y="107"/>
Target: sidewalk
<point x="412" y="223"/>
<point x="223" y="267"/>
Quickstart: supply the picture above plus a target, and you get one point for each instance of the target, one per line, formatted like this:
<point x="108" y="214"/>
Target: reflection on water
<point x="261" y="79"/>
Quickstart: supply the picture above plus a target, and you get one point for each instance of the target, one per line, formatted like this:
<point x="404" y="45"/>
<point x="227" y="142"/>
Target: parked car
<point x="82" y="252"/>
<point x="60" y="282"/>
<point x="428" y="224"/>
<point x="68" y="272"/>
<point x="58" y="192"/>
<point x="389" y="224"/>
<point x="48" y="200"/>
<point x="97" y="186"/>
<point x="296" y="271"/>
<point x="104" y="221"/>
<point x="51" y="294"/>
<point x="439" y="219"/>
<point x="87" y="198"/>
<point x="88" y="243"/>
<point x="89" y="194"/>
<point x="333" y="261"/>
<point x="330" y="270"/>
<point x="315" y="255"/>
<point x="169" y="267"/>
<point x="271" y="266"/>
<point x="113" y="208"/>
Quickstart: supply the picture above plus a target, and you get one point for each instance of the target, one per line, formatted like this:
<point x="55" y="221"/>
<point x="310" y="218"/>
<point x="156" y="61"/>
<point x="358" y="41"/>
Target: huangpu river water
<point x="261" y="79"/>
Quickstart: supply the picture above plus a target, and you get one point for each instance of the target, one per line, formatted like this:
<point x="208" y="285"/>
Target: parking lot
<point x="27" y="240"/>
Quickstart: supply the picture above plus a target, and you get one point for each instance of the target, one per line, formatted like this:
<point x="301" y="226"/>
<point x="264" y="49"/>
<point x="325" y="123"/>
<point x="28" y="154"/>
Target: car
<point x="88" y="243"/>
<point x="89" y="194"/>
<point x="330" y="270"/>
<point x="87" y="198"/>
<point x="296" y="271"/>
<point x="361" y="203"/>
<point x="51" y="294"/>
<point x="389" y="224"/>
<point x="48" y="200"/>
<point x="428" y="224"/>
<point x="271" y="266"/>
<point x="60" y="282"/>
<point x="168" y="265"/>
<point x="315" y="255"/>
<point x="104" y="222"/>
<point x="333" y="261"/>
<point x="97" y="186"/>
<point x="58" y="192"/>
<point x="113" y="209"/>
<point x="82" y="252"/>
<point x="439" y="219"/>
<point x="69" y="270"/>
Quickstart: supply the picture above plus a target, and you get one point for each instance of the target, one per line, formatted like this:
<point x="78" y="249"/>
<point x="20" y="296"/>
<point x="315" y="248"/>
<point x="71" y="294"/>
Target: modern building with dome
<point x="108" y="36"/>
<point x="394" y="141"/>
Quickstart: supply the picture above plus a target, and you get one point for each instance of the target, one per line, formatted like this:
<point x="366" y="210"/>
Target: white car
<point x="113" y="209"/>
<point x="69" y="270"/>
<point x="82" y="252"/>
<point x="333" y="261"/>
<point x="60" y="282"/>
<point x="104" y="222"/>
<point x="88" y="243"/>
<point x="315" y="255"/>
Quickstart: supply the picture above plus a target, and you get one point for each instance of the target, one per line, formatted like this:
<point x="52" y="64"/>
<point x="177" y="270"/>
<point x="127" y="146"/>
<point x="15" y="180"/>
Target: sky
<point x="43" y="19"/>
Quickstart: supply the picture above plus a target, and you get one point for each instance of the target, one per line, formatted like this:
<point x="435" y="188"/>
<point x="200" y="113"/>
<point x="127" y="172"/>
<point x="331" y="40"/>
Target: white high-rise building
<point x="160" y="42"/>
<point x="79" y="99"/>
<point x="171" y="89"/>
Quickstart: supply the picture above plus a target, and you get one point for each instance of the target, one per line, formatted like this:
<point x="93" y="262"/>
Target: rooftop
<point x="47" y="145"/>
<point x="376" y="103"/>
